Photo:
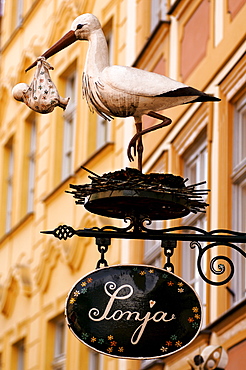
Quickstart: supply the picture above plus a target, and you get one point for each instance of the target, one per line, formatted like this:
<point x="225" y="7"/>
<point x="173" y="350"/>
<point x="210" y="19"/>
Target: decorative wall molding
<point x="48" y="262"/>
<point x="18" y="281"/>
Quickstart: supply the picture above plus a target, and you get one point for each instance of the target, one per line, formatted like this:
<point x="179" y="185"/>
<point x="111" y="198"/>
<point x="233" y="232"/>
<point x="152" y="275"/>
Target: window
<point x="195" y="169"/>
<point x="16" y="13"/>
<point x="189" y="264"/>
<point x="18" y="357"/>
<point x="156" y="364"/>
<point x="95" y="361"/>
<point x="239" y="160"/>
<point x="104" y="126"/>
<point x="31" y="166"/>
<point x="218" y="22"/>
<point x="9" y="179"/>
<point x="69" y="128"/>
<point x="103" y="132"/>
<point x="239" y="196"/>
<point x="158" y="12"/>
<point x="19" y="14"/>
<point x="59" y="357"/>
<point x="2" y="3"/>
<point x="152" y="248"/>
<point x="195" y="163"/>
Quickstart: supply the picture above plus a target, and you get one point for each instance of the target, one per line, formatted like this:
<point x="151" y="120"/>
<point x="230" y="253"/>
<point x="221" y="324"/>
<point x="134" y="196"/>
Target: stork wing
<point x="137" y="81"/>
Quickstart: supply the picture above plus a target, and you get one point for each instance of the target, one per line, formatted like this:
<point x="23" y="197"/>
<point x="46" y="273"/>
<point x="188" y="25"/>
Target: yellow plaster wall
<point x="36" y="271"/>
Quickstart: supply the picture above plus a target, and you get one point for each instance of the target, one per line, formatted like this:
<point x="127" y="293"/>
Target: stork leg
<point x="138" y="136"/>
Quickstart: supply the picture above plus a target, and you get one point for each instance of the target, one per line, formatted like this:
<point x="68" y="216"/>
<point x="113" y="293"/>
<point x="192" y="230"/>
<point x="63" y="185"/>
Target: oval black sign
<point x="133" y="311"/>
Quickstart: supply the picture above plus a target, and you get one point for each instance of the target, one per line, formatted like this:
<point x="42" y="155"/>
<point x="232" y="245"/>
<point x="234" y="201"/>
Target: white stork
<point x="120" y="91"/>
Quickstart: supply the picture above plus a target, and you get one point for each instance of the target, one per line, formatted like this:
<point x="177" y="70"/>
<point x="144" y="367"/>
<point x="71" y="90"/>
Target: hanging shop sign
<point x="133" y="311"/>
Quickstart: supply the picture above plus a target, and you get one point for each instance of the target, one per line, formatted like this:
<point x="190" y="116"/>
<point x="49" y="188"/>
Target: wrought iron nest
<point x="121" y="193"/>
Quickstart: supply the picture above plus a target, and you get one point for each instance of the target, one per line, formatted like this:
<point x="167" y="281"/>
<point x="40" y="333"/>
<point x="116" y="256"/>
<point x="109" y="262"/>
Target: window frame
<point x="152" y="248"/>
<point x="31" y="165"/>
<point x="238" y="178"/>
<point x="19" y="354"/>
<point x="103" y="126"/>
<point x="9" y="185"/>
<point x="198" y="155"/>
<point x="95" y="360"/>
<point x="60" y="339"/>
<point x="158" y="12"/>
<point x="69" y="127"/>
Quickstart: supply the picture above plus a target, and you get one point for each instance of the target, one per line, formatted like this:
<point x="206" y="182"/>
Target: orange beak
<point x="68" y="39"/>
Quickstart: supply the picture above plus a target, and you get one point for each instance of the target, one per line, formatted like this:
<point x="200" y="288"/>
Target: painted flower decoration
<point x="170" y="283"/>
<point x="173" y="337"/>
<point x="194" y="325"/>
<point x="195" y="309"/>
<point x="84" y="336"/>
<point x="164" y="349"/>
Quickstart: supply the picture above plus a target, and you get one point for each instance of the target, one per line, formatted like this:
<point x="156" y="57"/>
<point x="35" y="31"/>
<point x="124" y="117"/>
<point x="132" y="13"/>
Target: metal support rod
<point x="141" y="232"/>
<point x="153" y="236"/>
<point x="168" y="238"/>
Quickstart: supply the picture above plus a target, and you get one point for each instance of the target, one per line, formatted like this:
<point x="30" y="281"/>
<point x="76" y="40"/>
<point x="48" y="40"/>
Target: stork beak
<point x="68" y="39"/>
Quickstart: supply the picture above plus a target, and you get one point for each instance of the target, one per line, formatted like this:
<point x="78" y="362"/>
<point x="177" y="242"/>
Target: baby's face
<point x="18" y="91"/>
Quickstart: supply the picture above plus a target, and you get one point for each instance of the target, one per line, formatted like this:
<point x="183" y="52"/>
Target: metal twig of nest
<point x="126" y="192"/>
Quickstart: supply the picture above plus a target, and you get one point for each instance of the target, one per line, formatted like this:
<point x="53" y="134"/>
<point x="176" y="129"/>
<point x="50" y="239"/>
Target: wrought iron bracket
<point x="137" y="229"/>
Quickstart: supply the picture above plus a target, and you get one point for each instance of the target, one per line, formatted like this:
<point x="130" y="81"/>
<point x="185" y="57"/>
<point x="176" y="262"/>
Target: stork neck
<point x="97" y="55"/>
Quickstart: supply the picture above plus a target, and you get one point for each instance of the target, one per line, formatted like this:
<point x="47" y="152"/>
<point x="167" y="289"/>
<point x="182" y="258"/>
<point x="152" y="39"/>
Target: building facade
<point x="198" y="42"/>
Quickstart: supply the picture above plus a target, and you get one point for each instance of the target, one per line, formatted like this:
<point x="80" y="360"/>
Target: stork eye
<point x="79" y="26"/>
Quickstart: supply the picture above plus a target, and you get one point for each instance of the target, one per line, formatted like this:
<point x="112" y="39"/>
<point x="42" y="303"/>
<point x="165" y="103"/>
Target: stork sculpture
<point x="120" y="91"/>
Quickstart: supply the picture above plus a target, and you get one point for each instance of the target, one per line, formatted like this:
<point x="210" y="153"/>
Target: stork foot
<point x="132" y="145"/>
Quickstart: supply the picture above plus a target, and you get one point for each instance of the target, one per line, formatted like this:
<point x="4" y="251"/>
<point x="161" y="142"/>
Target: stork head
<point x="82" y="27"/>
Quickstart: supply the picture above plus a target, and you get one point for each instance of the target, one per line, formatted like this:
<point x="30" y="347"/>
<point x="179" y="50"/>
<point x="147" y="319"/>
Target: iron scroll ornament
<point x="137" y="230"/>
<point x="220" y="270"/>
